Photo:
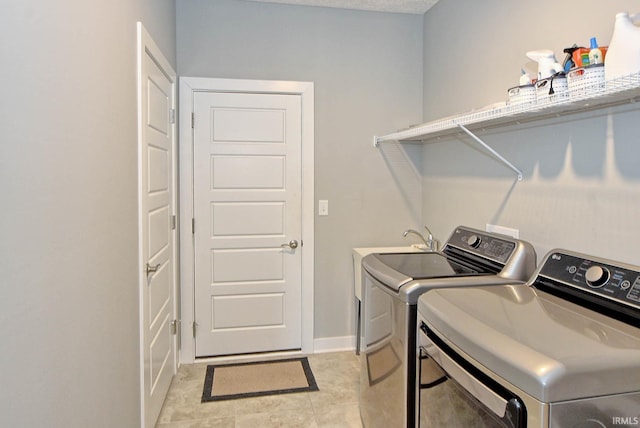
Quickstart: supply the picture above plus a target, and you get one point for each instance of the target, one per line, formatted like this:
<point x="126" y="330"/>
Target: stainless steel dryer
<point x="561" y="351"/>
<point x="392" y="284"/>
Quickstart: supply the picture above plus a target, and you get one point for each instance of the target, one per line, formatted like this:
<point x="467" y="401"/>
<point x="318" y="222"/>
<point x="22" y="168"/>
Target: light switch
<point x="323" y="207"/>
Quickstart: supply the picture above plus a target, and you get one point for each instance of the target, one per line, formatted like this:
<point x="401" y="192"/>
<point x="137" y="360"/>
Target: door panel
<point x="231" y="172"/>
<point x="260" y="126"/>
<point x="157" y="208"/>
<point x="157" y="196"/>
<point x="267" y="264"/>
<point x="247" y="203"/>
<point x="247" y="218"/>
<point x="248" y="311"/>
<point x="158" y="173"/>
<point x="159" y="291"/>
<point x="158" y="229"/>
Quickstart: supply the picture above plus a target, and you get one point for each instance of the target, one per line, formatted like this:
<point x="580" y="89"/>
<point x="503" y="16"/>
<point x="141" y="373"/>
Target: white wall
<point x="367" y="70"/>
<point x="68" y="181"/>
<point x="581" y="172"/>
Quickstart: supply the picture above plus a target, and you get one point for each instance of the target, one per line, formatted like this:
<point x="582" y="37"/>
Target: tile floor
<point x="334" y="405"/>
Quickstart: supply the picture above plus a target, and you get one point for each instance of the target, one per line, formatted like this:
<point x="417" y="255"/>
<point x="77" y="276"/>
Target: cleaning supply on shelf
<point x="623" y="55"/>
<point x="569" y="62"/>
<point x="595" y="54"/>
<point x="547" y="64"/>
<point x="580" y="56"/>
<point x="576" y="55"/>
<point x="525" y="79"/>
<point x="524" y="93"/>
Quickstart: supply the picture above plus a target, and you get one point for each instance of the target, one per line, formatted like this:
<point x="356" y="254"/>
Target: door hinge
<point x="173" y="222"/>
<point x="193" y="226"/>
<point x="193" y="120"/>
<point x="172" y="116"/>
<point x="174" y="327"/>
<point x="195" y="325"/>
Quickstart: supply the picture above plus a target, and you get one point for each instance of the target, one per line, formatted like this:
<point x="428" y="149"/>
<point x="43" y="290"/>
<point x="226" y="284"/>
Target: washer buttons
<point x="625" y="284"/>
<point x="572" y="269"/>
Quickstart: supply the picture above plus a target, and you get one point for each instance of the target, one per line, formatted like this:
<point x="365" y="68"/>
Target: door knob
<point x="152" y="269"/>
<point x="293" y="244"/>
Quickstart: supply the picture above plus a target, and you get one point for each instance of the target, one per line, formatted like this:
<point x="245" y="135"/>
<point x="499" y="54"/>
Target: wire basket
<point x="584" y="80"/>
<point x="552" y="88"/>
<point x="522" y="94"/>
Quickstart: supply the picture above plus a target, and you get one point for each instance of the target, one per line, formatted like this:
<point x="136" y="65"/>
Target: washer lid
<point x="397" y="269"/>
<point x="424" y="265"/>
<point x="552" y="349"/>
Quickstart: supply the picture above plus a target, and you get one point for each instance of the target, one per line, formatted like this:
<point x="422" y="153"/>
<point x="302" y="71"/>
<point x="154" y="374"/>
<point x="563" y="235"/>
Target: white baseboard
<point x="334" y="344"/>
<point x="321" y="345"/>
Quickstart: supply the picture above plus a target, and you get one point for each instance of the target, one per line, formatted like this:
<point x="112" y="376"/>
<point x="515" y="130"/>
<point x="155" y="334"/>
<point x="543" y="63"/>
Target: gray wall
<point x="367" y="70"/>
<point x="68" y="180"/>
<point x="581" y="177"/>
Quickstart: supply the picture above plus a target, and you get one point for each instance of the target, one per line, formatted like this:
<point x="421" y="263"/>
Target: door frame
<point x="188" y="86"/>
<point x="145" y="44"/>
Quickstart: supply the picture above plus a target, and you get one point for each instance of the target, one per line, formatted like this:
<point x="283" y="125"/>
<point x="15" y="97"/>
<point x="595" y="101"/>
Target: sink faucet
<point x="429" y="242"/>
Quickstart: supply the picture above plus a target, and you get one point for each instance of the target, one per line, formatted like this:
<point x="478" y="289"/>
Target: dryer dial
<point x="597" y="276"/>
<point x="474" y="241"/>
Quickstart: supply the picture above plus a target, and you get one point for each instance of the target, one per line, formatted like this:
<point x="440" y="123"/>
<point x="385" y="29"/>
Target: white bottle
<point x="623" y="54"/>
<point x="595" y="54"/>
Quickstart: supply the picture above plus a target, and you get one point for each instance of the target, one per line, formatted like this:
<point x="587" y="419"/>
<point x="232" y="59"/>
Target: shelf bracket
<point x="492" y="151"/>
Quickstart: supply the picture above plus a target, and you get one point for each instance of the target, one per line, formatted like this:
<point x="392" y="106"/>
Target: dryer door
<point x="454" y="393"/>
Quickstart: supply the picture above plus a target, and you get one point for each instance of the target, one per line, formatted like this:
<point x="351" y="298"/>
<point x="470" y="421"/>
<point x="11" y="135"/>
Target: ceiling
<point x="393" y="6"/>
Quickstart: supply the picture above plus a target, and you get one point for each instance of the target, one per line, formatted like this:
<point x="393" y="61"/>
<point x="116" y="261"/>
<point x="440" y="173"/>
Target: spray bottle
<point x="547" y="64"/>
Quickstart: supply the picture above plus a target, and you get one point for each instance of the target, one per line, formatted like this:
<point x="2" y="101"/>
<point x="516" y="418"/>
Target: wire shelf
<point x="618" y="91"/>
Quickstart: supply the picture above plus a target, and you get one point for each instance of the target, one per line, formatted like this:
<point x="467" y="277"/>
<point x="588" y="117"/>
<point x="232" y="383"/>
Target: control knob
<point x="474" y="241"/>
<point x="597" y="276"/>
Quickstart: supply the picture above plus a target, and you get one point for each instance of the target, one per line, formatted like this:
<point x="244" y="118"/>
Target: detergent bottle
<point x="547" y="64"/>
<point x="623" y="56"/>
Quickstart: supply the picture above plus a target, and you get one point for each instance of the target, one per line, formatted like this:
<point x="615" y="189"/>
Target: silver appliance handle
<point x="477" y="389"/>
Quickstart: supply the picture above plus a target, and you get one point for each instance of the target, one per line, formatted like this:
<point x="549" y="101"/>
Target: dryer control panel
<point x="482" y="244"/>
<point x="600" y="281"/>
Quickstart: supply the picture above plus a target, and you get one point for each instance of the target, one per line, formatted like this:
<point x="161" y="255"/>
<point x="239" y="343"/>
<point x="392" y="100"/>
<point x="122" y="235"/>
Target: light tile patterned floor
<point x="334" y="405"/>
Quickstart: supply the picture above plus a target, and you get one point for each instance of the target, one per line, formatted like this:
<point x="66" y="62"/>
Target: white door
<point x="247" y="207"/>
<point x="157" y="227"/>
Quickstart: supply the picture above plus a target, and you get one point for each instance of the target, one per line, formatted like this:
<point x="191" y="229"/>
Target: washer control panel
<point x="598" y="277"/>
<point x="482" y="244"/>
